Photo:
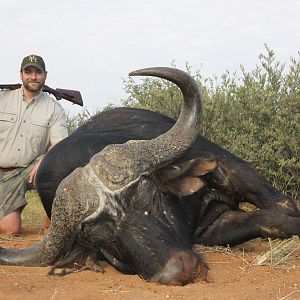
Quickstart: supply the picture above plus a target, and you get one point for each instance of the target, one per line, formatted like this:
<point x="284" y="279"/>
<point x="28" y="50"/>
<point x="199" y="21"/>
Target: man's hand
<point x="31" y="179"/>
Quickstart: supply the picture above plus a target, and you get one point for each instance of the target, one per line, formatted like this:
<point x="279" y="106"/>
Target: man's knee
<point x="11" y="224"/>
<point x="10" y="229"/>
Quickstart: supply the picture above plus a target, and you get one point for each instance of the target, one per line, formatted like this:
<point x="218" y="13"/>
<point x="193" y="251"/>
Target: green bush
<point x="74" y="122"/>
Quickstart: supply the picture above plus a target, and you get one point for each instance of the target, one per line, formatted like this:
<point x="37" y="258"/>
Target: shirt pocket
<point x="38" y="134"/>
<point x="7" y="122"/>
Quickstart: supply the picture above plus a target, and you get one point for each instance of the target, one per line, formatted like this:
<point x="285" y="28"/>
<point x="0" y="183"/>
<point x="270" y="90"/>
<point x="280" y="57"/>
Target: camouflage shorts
<point x="13" y="188"/>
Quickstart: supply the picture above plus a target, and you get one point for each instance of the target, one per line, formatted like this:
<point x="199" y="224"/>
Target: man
<point x="30" y="123"/>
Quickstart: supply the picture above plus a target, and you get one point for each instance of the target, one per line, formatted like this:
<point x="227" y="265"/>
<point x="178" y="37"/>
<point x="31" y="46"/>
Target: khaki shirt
<point x="27" y="130"/>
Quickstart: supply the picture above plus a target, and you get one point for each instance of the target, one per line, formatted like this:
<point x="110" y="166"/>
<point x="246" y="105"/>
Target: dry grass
<point x="205" y="249"/>
<point x="33" y="214"/>
<point x="10" y="237"/>
<point x="282" y="253"/>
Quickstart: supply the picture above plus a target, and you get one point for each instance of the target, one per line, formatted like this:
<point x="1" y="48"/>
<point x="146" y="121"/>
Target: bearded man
<point x="31" y="122"/>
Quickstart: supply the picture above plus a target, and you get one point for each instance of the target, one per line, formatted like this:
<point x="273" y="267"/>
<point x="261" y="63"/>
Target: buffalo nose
<point x="182" y="268"/>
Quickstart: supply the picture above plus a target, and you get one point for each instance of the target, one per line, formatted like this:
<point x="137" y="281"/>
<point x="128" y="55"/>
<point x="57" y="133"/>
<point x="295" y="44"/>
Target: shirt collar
<point x="35" y="99"/>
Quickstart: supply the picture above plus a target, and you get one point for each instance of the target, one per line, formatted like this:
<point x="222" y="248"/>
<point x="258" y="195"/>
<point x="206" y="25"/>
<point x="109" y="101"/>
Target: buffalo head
<point x="115" y="207"/>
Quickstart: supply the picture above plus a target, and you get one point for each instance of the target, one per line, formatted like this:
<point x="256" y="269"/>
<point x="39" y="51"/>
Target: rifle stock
<point x="70" y="95"/>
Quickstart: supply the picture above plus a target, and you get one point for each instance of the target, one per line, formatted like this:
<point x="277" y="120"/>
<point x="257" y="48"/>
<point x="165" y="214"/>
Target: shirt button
<point x="18" y="149"/>
<point x="21" y="135"/>
<point x="24" y="121"/>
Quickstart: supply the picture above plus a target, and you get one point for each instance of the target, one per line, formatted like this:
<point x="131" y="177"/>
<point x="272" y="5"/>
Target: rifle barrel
<point x="70" y="95"/>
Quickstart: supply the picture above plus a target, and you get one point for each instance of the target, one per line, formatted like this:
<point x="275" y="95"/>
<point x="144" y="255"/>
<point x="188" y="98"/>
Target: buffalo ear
<point x="183" y="179"/>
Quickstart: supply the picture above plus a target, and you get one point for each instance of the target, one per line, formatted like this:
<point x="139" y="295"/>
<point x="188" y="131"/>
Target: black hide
<point x="210" y="216"/>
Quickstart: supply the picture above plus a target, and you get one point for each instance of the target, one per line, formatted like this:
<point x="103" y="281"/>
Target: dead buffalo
<point x="142" y="189"/>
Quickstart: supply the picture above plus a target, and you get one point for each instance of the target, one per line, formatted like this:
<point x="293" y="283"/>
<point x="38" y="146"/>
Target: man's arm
<point x="32" y="174"/>
<point x="58" y="131"/>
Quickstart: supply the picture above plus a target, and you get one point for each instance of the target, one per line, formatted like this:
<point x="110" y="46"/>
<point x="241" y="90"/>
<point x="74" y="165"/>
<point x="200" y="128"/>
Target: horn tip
<point x="145" y="71"/>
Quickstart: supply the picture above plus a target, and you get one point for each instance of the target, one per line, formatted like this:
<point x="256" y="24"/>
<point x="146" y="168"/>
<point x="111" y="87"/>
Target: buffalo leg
<point x="235" y="227"/>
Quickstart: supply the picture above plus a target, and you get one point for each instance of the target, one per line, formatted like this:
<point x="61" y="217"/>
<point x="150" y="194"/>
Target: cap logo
<point x="32" y="58"/>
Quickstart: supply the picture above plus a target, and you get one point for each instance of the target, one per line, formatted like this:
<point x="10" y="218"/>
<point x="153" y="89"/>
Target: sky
<point x="92" y="45"/>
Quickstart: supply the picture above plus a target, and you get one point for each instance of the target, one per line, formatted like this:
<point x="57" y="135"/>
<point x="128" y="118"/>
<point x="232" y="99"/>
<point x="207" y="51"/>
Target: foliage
<point x="256" y="116"/>
<point x="74" y="122"/>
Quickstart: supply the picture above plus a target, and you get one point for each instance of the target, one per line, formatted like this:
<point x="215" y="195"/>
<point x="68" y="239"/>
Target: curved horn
<point x="119" y="165"/>
<point x="75" y="200"/>
<point x="191" y="111"/>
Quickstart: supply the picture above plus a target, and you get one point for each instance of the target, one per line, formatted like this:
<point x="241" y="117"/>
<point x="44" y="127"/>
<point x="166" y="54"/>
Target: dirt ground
<point x="232" y="276"/>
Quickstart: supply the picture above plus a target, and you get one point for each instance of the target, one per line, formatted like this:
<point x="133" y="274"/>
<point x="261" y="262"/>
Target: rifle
<point x="70" y="95"/>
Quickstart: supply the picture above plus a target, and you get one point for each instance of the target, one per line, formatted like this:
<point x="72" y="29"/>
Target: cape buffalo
<point x="142" y="189"/>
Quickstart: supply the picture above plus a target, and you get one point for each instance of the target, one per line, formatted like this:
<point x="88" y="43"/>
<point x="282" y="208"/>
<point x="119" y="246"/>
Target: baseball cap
<point x="33" y="60"/>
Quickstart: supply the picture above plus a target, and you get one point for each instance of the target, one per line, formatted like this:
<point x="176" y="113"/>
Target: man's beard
<point x="36" y="88"/>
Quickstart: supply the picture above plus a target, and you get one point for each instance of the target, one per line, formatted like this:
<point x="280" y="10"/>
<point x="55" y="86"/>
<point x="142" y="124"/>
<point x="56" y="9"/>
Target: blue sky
<point x="92" y="45"/>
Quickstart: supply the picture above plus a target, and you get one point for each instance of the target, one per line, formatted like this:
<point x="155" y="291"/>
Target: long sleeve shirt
<point x="27" y="129"/>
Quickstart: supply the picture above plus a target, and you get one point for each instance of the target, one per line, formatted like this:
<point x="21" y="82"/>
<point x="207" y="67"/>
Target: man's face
<point x="33" y="79"/>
